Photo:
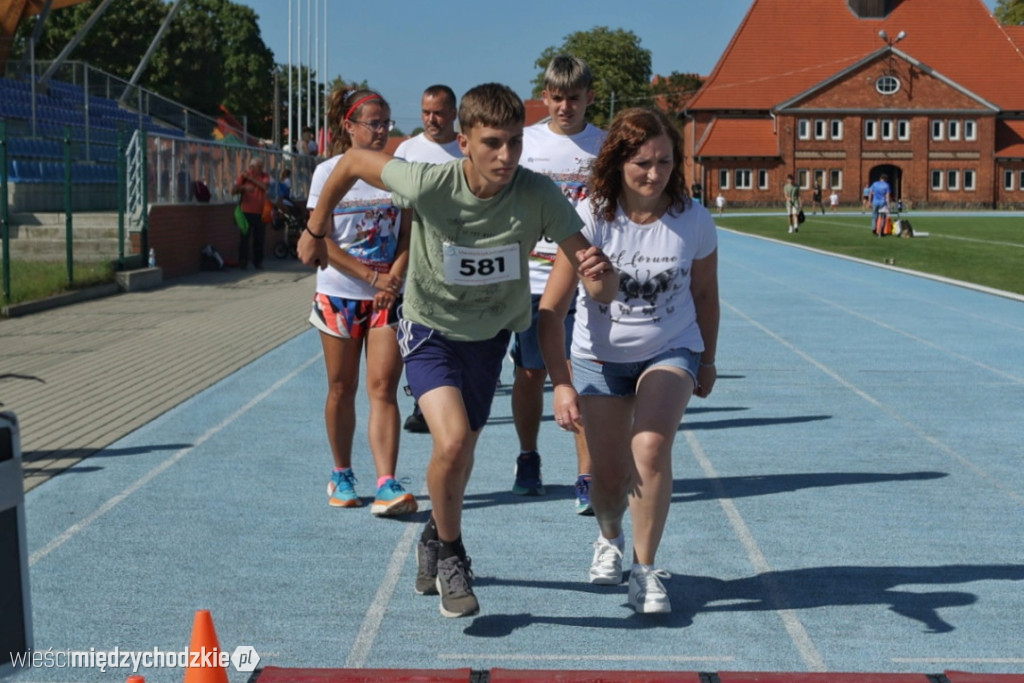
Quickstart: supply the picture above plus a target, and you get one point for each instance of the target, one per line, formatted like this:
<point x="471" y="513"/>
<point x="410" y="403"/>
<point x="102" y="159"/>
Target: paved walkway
<point x="81" y="377"/>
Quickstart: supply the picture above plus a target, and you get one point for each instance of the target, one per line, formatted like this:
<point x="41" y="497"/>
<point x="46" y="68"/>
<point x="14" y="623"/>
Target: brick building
<point x="930" y="92"/>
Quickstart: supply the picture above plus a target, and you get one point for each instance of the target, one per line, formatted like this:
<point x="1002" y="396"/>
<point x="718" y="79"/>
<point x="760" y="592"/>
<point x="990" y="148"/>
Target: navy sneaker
<point x="528" y="481"/>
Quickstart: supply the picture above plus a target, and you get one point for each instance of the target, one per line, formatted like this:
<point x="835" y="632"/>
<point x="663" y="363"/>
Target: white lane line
<point x="916" y="273"/>
<point x="892" y="328"/>
<point x="111" y="503"/>
<point x="363" y="643"/>
<point x="912" y="426"/>
<point x="976" y="240"/>
<point x="776" y="596"/>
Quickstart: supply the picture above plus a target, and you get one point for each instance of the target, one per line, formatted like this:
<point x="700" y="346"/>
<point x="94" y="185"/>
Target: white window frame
<point x="744" y="179"/>
<point x="803" y="179"/>
<point x="887" y="131"/>
<point x="952" y="179"/>
<point x="953" y="129"/>
<point x="762" y="179"/>
<point x="870" y="129"/>
<point x="836" y="129"/>
<point x="723" y="178"/>
<point x="1008" y="177"/>
<point x="938" y="128"/>
<point x="1020" y="181"/>
<point x="820" y="129"/>
<point x="970" y="129"/>
<point x="903" y="129"/>
<point x="888" y="84"/>
<point x="938" y="180"/>
<point x="970" y="180"/>
<point x="835" y="178"/>
<point x="803" y="129"/>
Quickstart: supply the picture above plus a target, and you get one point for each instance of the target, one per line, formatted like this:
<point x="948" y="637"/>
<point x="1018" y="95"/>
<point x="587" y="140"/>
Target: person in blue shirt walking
<point x="879" y="195"/>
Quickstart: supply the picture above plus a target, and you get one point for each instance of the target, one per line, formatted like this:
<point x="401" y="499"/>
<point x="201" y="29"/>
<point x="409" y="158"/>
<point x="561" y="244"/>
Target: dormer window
<point x="887" y="85"/>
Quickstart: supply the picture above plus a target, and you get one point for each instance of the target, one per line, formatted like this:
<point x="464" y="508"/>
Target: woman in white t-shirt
<point x="355" y="306"/>
<point x="637" y="361"/>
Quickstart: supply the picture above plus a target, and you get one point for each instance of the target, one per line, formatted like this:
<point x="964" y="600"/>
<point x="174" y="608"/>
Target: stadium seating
<point x="36" y="152"/>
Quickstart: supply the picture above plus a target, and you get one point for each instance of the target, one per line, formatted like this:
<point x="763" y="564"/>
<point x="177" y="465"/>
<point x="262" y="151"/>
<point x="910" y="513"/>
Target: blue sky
<point x="402" y="46"/>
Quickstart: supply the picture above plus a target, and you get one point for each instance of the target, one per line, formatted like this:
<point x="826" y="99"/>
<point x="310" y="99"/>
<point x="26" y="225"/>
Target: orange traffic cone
<point x="204" y="648"/>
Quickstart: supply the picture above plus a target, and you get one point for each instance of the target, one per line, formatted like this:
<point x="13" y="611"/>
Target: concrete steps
<point x="41" y="236"/>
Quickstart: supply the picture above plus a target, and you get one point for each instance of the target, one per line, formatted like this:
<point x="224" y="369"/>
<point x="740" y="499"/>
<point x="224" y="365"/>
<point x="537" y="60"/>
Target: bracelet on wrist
<point x="314" y="235"/>
<point x="373" y="282"/>
<point x="707" y="365"/>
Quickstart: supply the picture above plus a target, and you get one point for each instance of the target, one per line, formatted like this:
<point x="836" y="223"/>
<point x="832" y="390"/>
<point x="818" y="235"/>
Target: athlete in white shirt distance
<point x="563" y="148"/>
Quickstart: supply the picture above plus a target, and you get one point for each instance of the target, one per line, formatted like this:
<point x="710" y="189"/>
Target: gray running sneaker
<point x="426" y="567"/>
<point x="454" y="584"/>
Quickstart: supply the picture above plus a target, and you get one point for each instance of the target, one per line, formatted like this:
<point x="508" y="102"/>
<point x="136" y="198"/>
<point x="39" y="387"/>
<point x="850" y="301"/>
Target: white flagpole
<point x="326" y="79"/>
<point x="298" y="76"/>
<point x="291" y="100"/>
<point x="309" y="61"/>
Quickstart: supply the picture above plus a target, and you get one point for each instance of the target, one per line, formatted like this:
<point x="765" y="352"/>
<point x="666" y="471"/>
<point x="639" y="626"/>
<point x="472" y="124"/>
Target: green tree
<point x="115" y="44"/>
<point x="212" y="53"/>
<point x="1010" y="12"/>
<point x="188" y="65"/>
<point x="248" y="67"/>
<point x="621" y="68"/>
<point x="672" y="92"/>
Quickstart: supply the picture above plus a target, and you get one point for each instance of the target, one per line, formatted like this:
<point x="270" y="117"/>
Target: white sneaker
<point x="646" y="593"/>
<point x="606" y="567"/>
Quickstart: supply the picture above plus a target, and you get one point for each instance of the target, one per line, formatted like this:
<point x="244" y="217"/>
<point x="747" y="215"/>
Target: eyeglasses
<point x="377" y="126"/>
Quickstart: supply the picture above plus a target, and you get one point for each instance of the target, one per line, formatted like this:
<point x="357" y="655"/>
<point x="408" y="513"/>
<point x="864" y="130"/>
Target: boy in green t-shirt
<point x="467" y="289"/>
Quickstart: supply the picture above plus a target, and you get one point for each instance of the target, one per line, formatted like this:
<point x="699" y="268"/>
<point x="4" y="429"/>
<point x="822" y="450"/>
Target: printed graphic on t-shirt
<point x="574" y="188"/>
<point x="376" y="240"/>
<point x="647" y="288"/>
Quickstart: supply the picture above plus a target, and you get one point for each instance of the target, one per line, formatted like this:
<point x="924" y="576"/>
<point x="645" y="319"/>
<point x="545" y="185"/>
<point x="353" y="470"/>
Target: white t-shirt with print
<point x="653" y="310"/>
<point x="366" y="224"/>
<point x="566" y="159"/>
<point x="419" y="148"/>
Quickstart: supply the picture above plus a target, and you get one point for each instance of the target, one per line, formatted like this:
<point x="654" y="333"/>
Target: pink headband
<point x="356" y="105"/>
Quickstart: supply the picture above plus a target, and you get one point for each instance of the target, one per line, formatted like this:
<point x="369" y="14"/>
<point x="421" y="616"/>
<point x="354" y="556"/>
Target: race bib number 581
<point x="475" y="266"/>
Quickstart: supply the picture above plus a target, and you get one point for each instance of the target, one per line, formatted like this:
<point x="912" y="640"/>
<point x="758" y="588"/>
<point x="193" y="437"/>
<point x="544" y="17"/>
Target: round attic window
<point x="887" y="85"/>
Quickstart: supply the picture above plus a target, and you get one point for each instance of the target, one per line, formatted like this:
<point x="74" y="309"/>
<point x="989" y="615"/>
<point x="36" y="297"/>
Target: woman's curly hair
<point x="630" y="129"/>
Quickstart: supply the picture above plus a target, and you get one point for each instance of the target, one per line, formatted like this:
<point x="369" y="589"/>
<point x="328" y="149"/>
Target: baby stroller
<point x="289" y="220"/>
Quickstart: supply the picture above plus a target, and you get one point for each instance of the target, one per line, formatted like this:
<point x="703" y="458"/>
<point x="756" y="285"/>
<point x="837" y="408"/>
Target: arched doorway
<point x="894" y="174"/>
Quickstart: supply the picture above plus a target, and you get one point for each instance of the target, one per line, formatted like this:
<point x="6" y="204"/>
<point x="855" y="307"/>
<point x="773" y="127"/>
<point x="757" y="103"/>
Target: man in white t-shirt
<point x="437" y="144"/>
<point x="563" y="148"/>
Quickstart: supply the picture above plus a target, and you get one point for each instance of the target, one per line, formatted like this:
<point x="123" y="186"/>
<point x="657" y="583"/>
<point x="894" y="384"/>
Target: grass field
<point x="32" y="280"/>
<point x="980" y="249"/>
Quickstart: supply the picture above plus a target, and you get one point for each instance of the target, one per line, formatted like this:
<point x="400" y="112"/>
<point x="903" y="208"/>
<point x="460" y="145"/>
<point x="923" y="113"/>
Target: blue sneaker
<point x="583" y="495"/>
<point x="341" y="490"/>
<point x="392" y="499"/>
<point x="528" y="481"/>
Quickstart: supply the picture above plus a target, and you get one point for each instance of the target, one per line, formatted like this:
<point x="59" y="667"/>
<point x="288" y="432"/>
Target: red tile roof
<point x="1010" y="138"/>
<point x="783" y="48"/>
<point x="727" y="137"/>
<point x="536" y="111"/>
<point x="1016" y="34"/>
<point x="393" y="142"/>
